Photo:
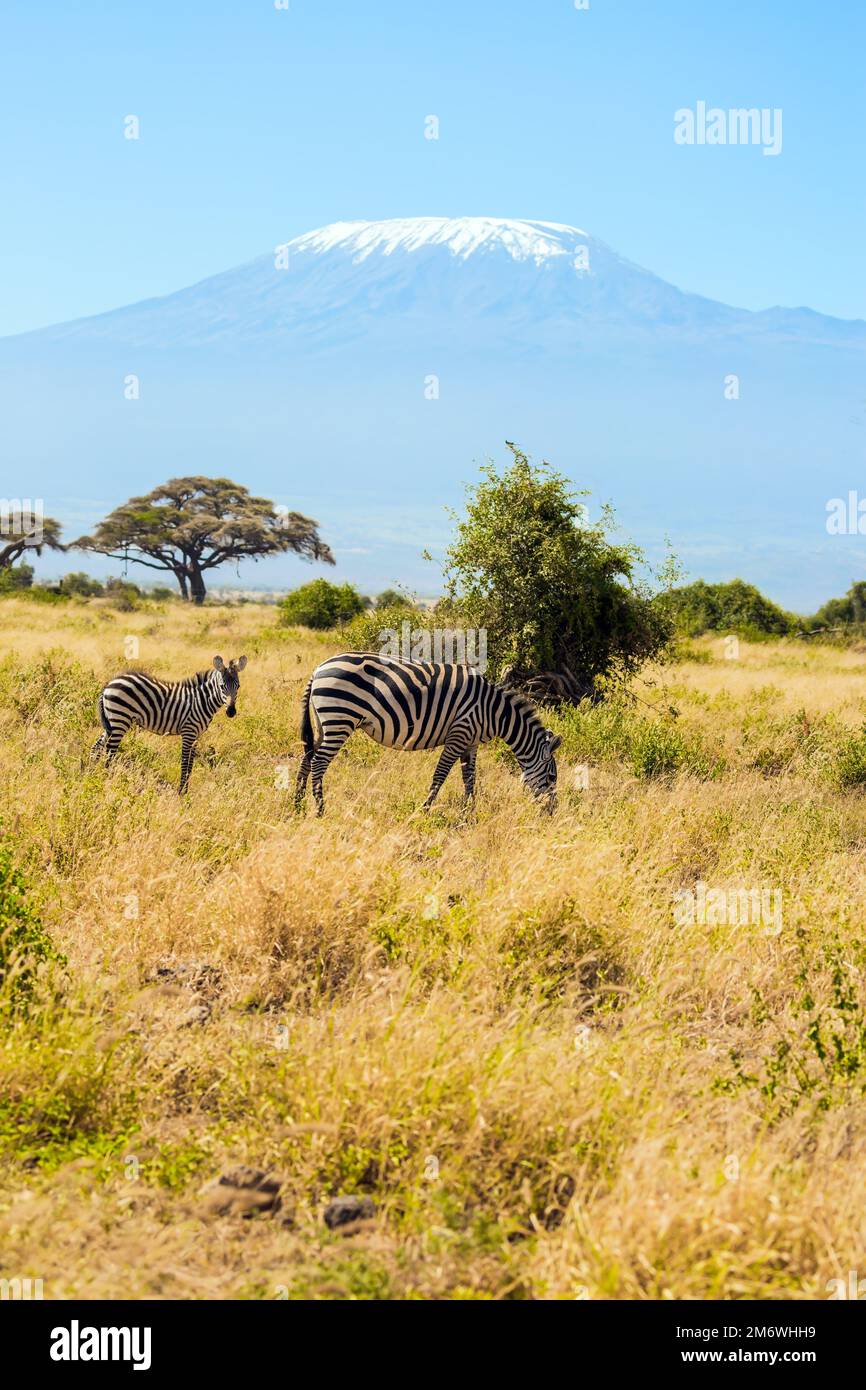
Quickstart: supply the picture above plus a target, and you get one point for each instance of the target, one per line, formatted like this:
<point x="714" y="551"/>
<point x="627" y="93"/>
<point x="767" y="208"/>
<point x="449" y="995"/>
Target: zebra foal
<point x="167" y="707"/>
<point x="420" y="704"/>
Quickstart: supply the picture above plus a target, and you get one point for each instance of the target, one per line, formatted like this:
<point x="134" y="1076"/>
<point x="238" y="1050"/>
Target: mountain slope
<point x="434" y="279"/>
<point x="363" y="383"/>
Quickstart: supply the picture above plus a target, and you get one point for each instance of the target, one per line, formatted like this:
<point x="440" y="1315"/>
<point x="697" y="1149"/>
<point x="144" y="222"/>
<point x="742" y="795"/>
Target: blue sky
<point x="258" y="124"/>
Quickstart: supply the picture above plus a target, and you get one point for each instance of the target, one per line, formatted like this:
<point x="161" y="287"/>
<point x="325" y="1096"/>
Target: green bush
<point x="14" y="578"/>
<point x="552" y="591"/>
<point x="42" y="593"/>
<point x="650" y="745"/>
<point x="392" y="598"/>
<point x="16" y="581"/>
<point x="81" y="584"/>
<point x="733" y="607"/>
<point x="849" y="611"/>
<point x="372" y="629"/>
<point x="122" y="595"/>
<point x="320" y="604"/>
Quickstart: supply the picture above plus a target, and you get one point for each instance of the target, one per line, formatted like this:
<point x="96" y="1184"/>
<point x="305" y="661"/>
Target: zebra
<point x="420" y="704"/>
<point x="167" y="707"/>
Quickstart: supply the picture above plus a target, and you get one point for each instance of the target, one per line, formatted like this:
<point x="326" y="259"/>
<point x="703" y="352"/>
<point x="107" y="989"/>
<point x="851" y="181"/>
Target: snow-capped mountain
<point x="360" y="373"/>
<point x="440" y="279"/>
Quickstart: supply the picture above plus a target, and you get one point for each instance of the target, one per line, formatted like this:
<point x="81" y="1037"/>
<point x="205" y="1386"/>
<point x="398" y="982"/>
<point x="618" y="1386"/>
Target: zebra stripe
<point x="420" y="704"/>
<point x="183" y="707"/>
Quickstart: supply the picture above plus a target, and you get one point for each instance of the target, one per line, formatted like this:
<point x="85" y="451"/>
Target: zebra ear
<point x="242" y="661"/>
<point x="555" y="741"/>
<point x="218" y="662"/>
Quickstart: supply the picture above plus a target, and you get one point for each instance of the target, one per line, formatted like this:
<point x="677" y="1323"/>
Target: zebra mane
<point x="521" y="703"/>
<point x="188" y="682"/>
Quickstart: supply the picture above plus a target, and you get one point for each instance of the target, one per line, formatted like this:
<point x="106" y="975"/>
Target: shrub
<point x="651" y="745"/>
<point x="320" y="604"/>
<point x="733" y="607"/>
<point x="552" y="591"/>
<point x="44" y="593"/>
<point x="81" y="584"/>
<point x="370" y="630"/>
<point x="122" y="595"/>
<point x="392" y="598"/>
<point x="849" y="611"/>
<point x="14" y="578"/>
<point x="16" y="581"/>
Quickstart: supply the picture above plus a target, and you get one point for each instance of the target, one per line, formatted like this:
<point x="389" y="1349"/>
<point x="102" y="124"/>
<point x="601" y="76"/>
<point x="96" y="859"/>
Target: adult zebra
<point x="420" y="704"/>
<point x="167" y="707"/>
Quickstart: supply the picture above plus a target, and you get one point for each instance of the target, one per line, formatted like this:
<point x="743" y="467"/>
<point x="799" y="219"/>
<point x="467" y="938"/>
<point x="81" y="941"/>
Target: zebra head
<point x="230" y="682"/>
<point x="538" y="766"/>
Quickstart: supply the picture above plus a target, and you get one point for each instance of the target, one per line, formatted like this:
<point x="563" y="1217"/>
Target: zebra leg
<point x="448" y="758"/>
<point x="106" y="730"/>
<point x="467" y="767"/>
<point x="187" y="753"/>
<point x="329" y="746"/>
<point x="112" y="743"/>
<point x="303" y="775"/>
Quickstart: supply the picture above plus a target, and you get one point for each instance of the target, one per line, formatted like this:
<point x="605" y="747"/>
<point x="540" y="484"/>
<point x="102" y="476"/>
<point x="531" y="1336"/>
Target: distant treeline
<point x="318" y="604"/>
<point x="119" y="593"/>
<point x="735" y="606"/>
<point x="741" y="608"/>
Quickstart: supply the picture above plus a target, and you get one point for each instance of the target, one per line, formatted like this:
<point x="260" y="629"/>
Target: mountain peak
<point x="522" y="240"/>
<point x="458" y="282"/>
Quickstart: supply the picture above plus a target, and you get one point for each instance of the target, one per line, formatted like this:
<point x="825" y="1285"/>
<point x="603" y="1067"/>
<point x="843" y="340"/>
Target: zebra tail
<point x="308" y="736"/>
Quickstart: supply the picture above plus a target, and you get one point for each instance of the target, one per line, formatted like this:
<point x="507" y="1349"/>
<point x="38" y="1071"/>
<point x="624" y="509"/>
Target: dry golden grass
<point x="497" y="1026"/>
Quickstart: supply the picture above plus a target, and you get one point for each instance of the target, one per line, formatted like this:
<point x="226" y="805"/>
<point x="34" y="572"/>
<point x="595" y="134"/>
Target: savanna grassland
<point x="497" y="1026"/>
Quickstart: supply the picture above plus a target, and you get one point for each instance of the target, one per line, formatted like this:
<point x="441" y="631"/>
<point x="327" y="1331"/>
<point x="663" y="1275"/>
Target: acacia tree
<point x="559" y="600"/>
<point x="25" y="530"/>
<point x="192" y="525"/>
